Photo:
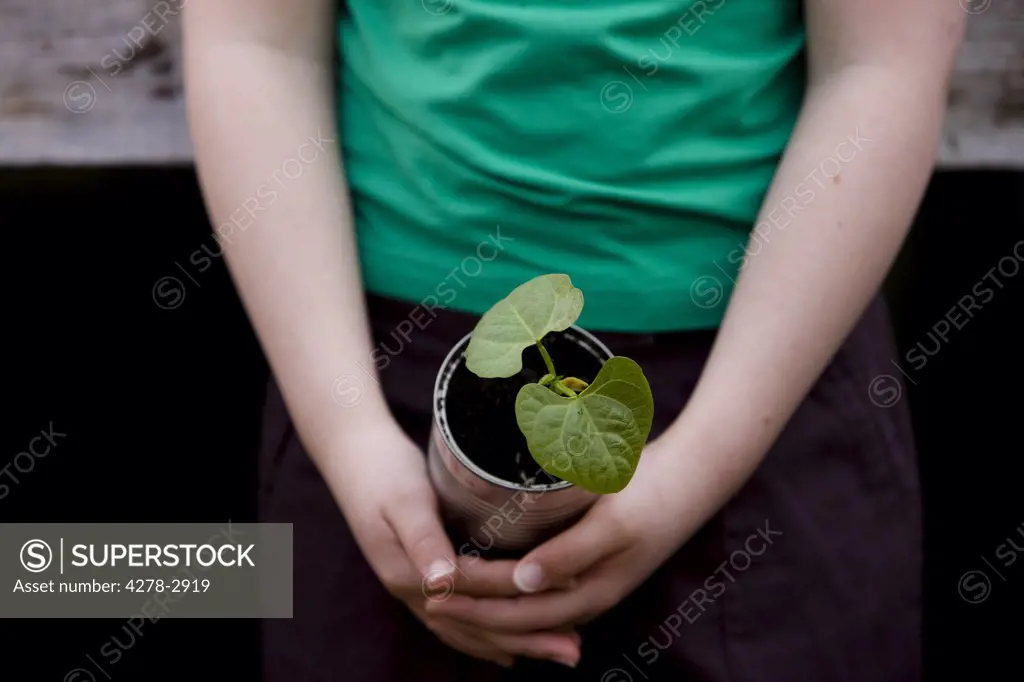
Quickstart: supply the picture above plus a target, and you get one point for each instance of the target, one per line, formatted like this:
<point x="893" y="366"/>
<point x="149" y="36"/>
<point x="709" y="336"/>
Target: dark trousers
<point x="811" y="572"/>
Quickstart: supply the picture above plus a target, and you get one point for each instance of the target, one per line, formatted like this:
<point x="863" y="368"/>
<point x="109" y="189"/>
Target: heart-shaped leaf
<point x="595" y="439"/>
<point x="623" y="380"/>
<point x="591" y="442"/>
<point x="549" y="303"/>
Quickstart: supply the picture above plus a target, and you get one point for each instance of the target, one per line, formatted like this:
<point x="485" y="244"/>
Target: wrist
<point x="344" y="427"/>
<point x="695" y="468"/>
<point x="721" y="432"/>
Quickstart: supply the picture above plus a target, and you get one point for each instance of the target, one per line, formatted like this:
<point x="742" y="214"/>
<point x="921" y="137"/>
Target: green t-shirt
<point x="626" y="143"/>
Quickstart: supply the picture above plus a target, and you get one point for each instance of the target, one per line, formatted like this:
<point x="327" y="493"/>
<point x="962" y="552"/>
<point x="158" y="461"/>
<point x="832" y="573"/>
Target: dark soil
<point x="482" y="417"/>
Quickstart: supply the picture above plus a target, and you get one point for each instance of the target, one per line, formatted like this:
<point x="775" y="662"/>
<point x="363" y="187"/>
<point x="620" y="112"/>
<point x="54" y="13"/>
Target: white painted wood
<point x="99" y="82"/>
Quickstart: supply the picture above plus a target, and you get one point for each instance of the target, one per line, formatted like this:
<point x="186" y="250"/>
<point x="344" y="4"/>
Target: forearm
<point x="252" y="107"/>
<point x="808" y="278"/>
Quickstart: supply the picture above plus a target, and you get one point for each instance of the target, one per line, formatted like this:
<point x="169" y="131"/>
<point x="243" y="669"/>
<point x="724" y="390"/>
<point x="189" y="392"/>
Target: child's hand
<point x="608" y="553"/>
<point x="379" y="478"/>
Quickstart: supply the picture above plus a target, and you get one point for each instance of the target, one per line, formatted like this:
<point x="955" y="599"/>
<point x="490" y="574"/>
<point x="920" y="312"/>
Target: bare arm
<point x="259" y="98"/>
<point x="260" y="102"/>
<point x="877" y="93"/>
<point x="876" y="98"/>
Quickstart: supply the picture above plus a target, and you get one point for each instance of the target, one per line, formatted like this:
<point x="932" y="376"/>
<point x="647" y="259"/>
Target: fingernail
<point x="566" y="661"/>
<point x="438" y="571"/>
<point x="528" y="577"/>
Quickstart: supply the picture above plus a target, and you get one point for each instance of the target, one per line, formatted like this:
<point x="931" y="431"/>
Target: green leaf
<point x="593" y="440"/>
<point x="549" y="303"/>
<point x="623" y="380"/>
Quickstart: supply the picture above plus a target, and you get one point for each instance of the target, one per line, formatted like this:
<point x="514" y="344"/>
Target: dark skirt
<point x="811" y="572"/>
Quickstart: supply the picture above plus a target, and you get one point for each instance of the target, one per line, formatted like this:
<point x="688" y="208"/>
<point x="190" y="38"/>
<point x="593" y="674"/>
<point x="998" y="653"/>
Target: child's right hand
<point x="379" y="478"/>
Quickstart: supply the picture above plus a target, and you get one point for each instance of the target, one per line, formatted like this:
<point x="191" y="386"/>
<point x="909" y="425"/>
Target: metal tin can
<point x="492" y="512"/>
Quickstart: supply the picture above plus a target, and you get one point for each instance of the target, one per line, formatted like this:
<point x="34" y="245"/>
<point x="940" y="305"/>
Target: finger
<point x="472" y="646"/>
<point x="544" y="611"/>
<point x="567" y="555"/>
<point x="561" y="648"/>
<point x="481" y="578"/>
<point x="419" y="530"/>
<point x="384" y="552"/>
<point x="459" y="637"/>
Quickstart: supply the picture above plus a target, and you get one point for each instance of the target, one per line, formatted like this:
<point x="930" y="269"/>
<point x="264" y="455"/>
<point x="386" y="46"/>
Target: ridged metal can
<point x="489" y="511"/>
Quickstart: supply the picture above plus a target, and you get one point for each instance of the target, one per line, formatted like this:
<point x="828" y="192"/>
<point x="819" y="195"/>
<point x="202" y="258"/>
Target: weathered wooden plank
<point x="94" y="82"/>
<point x="984" y="124"/>
<point x="100" y="82"/>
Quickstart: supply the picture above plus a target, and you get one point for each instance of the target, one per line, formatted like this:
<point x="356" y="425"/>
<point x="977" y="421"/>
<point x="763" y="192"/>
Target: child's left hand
<point x="604" y="557"/>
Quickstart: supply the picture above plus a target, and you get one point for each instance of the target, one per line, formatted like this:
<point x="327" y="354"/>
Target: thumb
<point x="419" y="530"/>
<point x="559" y="560"/>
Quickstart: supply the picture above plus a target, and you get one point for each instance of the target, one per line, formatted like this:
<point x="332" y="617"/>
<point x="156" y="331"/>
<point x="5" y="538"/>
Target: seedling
<point x="590" y="434"/>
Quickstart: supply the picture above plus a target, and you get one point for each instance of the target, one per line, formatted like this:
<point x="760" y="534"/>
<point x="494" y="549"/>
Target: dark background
<point x="161" y="406"/>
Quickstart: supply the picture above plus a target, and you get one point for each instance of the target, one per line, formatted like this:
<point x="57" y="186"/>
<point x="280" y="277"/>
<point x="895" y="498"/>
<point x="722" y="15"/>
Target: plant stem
<point x="547" y="358"/>
<point x="559" y="387"/>
<point x="556" y="383"/>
